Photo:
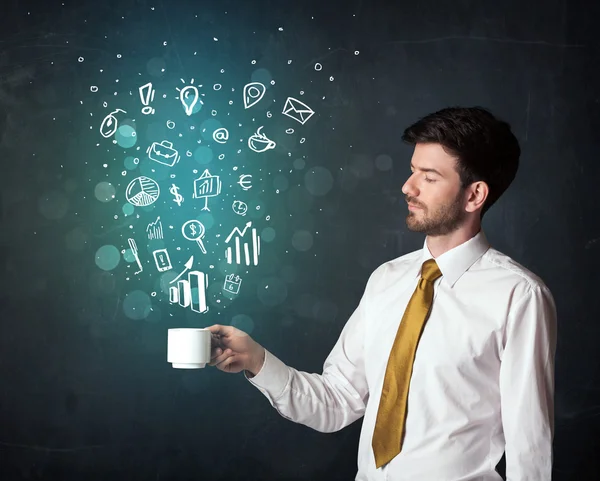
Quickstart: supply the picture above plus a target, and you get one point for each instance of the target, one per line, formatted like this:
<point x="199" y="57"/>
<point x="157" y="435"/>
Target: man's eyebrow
<point x="423" y="169"/>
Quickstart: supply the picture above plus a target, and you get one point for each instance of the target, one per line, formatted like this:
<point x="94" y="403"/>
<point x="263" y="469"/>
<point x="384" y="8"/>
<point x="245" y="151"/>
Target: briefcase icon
<point x="163" y="153"/>
<point x="297" y="110"/>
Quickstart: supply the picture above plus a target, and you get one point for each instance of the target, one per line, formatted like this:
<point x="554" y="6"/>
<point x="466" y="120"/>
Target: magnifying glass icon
<point x="194" y="230"/>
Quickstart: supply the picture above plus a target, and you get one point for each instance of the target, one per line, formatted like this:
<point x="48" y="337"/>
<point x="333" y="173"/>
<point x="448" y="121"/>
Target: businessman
<point x="449" y="355"/>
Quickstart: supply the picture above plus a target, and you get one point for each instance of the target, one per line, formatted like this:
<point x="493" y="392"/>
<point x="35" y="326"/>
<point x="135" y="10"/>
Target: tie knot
<point x="430" y="270"/>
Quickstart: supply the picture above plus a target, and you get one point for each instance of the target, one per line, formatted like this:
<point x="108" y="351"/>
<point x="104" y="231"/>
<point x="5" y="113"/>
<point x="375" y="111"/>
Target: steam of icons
<point x="242" y="246"/>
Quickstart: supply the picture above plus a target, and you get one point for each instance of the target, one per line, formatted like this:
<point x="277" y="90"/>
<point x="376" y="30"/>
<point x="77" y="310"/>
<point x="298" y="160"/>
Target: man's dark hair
<point x="484" y="146"/>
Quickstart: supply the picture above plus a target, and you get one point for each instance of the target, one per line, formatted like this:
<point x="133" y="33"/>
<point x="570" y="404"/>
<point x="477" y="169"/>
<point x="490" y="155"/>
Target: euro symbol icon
<point x="245" y="181"/>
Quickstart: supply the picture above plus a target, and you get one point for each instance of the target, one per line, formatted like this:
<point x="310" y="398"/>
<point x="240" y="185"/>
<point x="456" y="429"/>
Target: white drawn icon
<point x="155" y="229"/>
<point x="191" y="292"/>
<point x="206" y="186"/>
<point x="134" y="251"/>
<point x="147" y="96"/>
<point x="163" y="153"/>
<point x="110" y="124"/>
<point x="194" y="230"/>
<point x="239" y="207"/>
<point x="162" y="260"/>
<point x="253" y="93"/>
<point x="178" y="198"/>
<point x="221" y="135"/>
<point x="142" y="191"/>
<point x="229" y="253"/>
<point x="245" y="181"/>
<point x="297" y="110"/>
<point x="189" y="97"/>
<point x="232" y="284"/>
<point x="259" y="142"/>
<point x="188" y="266"/>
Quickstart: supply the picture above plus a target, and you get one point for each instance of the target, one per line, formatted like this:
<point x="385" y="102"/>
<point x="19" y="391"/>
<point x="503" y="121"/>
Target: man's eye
<point x="429" y="180"/>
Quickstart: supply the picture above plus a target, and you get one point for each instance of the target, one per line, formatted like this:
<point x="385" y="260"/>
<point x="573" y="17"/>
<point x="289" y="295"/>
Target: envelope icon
<point x="163" y="153"/>
<point x="297" y="110"/>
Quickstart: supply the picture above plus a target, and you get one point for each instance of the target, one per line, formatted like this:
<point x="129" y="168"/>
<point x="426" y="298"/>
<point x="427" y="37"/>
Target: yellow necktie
<point x="389" y="426"/>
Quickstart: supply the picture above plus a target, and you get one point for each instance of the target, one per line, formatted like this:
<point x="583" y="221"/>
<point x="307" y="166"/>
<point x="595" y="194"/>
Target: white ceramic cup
<point x="188" y="348"/>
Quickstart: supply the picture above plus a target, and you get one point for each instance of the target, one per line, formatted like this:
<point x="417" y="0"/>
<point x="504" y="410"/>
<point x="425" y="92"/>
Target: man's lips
<point x="413" y="206"/>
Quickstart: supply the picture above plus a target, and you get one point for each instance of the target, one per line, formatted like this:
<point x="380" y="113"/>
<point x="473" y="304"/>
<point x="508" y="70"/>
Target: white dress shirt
<point x="483" y="375"/>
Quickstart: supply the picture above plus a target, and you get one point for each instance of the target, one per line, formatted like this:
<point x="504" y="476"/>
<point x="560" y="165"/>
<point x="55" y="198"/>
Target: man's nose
<point x="409" y="189"/>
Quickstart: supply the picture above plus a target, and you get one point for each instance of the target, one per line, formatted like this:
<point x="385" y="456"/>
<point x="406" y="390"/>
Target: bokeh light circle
<point x="137" y="305"/>
<point x="53" y="205"/>
<point x="104" y="191"/>
<point x="107" y="257"/>
<point x="267" y="234"/>
<point x="126" y="136"/>
<point x="271" y="291"/>
<point x="302" y="240"/>
<point x="383" y="162"/>
<point x="243" y="322"/>
<point x="203" y="155"/>
<point x="318" y="181"/>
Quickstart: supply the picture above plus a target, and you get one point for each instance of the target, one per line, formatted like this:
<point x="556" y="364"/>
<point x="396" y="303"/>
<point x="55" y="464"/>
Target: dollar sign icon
<point x="193" y="229"/>
<point x="178" y="197"/>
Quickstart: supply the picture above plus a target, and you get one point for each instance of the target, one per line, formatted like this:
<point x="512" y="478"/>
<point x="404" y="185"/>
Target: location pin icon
<point x="253" y="92"/>
<point x="189" y="98"/>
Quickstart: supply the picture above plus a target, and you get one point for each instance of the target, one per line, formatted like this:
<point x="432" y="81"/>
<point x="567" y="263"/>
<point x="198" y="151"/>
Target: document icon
<point x="297" y="110"/>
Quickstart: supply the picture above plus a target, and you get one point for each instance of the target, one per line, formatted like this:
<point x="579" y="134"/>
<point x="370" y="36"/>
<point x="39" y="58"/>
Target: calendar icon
<point x="232" y="284"/>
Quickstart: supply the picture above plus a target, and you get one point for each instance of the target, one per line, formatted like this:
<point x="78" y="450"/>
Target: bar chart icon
<point x="242" y="252"/>
<point x="191" y="292"/>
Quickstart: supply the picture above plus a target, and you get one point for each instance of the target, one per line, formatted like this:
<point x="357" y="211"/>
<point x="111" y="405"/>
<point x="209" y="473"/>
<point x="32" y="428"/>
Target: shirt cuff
<point x="272" y="378"/>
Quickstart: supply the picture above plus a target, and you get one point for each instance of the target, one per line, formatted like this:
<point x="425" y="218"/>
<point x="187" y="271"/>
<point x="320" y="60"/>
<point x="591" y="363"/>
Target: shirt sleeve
<point x="527" y="387"/>
<point x="326" y="402"/>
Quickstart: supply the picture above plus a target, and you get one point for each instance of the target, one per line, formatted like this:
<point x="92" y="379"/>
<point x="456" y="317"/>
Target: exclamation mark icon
<point x="147" y="96"/>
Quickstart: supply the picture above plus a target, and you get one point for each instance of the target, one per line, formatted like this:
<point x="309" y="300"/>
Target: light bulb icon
<point x="189" y="97"/>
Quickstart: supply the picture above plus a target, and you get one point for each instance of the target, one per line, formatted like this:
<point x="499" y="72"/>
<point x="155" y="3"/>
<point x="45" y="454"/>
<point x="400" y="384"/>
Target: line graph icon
<point x="241" y="252"/>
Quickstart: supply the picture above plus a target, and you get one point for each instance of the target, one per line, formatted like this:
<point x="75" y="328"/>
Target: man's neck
<point x="439" y="244"/>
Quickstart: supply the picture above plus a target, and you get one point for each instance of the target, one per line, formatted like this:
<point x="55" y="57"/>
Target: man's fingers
<point x="219" y="356"/>
<point x="215" y="328"/>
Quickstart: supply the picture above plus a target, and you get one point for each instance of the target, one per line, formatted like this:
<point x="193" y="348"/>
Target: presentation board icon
<point x="142" y="191"/>
<point x="206" y="186"/>
<point x="191" y="292"/>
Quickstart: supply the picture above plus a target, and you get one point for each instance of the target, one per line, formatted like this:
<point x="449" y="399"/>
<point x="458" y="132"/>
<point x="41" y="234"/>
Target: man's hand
<point x="233" y="350"/>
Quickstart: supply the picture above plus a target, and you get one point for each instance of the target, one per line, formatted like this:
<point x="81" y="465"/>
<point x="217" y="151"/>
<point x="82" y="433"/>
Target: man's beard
<point x="444" y="220"/>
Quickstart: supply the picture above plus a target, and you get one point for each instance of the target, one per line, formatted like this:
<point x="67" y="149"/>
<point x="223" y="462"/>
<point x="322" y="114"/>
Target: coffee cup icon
<point x="259" y="142"/>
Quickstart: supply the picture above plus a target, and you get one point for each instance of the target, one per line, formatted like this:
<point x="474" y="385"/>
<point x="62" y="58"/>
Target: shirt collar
<point x="455" y="262"/>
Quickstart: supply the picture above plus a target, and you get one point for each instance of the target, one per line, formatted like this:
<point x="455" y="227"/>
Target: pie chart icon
<point x="142" y="191"/>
